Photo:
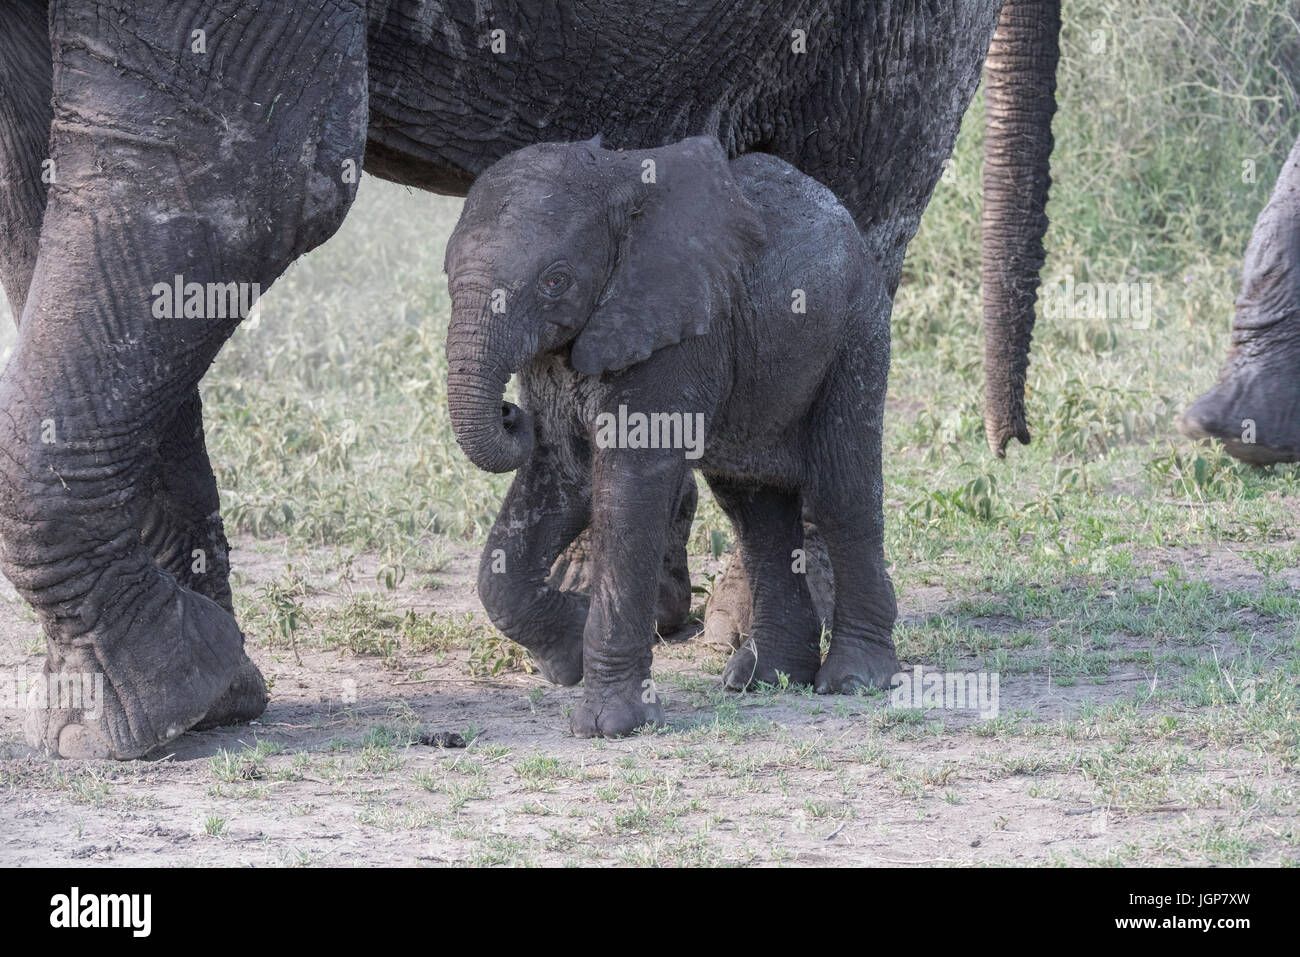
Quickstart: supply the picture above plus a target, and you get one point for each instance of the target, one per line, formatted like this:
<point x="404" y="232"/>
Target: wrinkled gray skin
<point x="1254" y="408"/>
<point x="611" y="295"/>
<point x="226" y="165"/>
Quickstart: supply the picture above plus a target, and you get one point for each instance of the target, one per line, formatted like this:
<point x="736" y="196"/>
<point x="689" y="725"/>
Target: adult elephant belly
<point x="866" y="98"/>
<point x="453" y="90"/>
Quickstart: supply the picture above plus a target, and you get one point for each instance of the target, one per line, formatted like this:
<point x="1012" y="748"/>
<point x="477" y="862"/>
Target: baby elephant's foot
<point x="857" y="666"/>
<point x="774" y="660"/>
<point x="616" y="710"/>
<point x="559" y="662"/>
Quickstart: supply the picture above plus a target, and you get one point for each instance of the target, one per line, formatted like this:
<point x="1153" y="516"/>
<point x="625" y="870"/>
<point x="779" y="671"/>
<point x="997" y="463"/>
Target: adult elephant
<point x="1254" y="408"/>
<point x="143" y="140"/>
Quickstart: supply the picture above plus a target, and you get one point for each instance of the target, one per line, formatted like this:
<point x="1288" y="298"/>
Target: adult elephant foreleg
<point x="215" y="156"/>
<point x="181" y="526"/>
<point x="1254" y="408"/>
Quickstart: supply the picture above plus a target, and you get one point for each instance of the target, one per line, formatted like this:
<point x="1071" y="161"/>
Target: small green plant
<point x="248" y="765"/>
<point x="283" y="602"/>
<point x="492" y="653"/>
<point x="978" y="499"/>
<point x="1204" y="471"/>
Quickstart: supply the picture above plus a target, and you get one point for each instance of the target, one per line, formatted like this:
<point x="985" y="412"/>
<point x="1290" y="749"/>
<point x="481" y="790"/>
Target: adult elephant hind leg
<point x="172" y="163"/>
<point x="784" y="638"/>
<point x="729" y="614"/>
<point x="1254" y="408"/>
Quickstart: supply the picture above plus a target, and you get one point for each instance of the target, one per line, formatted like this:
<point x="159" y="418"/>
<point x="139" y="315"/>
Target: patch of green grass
<point x="492" y="653"/>
<point x="232" y="767"/>
<point x="369" y="624"/>
<point x="539" y="772"/>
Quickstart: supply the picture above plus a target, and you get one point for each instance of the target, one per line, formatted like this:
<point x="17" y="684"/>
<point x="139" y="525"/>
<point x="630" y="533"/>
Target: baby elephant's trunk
<point x="495" y="434"/>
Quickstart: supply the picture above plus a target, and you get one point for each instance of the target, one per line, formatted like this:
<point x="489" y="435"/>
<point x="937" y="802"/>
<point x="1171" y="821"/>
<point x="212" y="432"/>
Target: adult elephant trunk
<point x="1020" y="100"/>
<point x="482" y="353"/>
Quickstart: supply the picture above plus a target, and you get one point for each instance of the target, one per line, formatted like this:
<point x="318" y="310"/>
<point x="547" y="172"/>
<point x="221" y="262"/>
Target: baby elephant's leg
<point x="635" y="494"/>
<point x="784" y="638"/>
<point x="862" y="653"/>
<point x="542" y="513"/>
<point x="846" y="495"/>
<point x="729" y="615"/>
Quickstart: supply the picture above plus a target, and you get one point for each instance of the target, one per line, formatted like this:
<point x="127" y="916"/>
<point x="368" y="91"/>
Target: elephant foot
<point x="856" y="666"/>
<point x="73" y="731"/>
<point x="121" y="699"/>
<point x="789" y="656"/>
<point x="244" y="700"/>
<point x="572" y="572"/>
<point x="1254" y="414"/>
<point x="616" y="710"/>
<point x="559" y="662"/>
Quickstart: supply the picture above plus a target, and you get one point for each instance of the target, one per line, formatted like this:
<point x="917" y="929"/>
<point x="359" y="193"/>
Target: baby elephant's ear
<point x="690" y="234"/>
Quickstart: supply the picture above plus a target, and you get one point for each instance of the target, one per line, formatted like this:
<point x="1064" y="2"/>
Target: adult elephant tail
<point x="1020" y="101"/>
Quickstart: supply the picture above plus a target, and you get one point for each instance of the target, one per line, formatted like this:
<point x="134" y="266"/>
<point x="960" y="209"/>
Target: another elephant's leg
<point x="785" y="636"/>
<point x="543" y="512"/>
<point x="182" y="527"/>
<point x="634" y="496"/>
<point x="25" y="115"/>
<point x="219" y="168"/>
<point x="673" y="600"/>
<point x="181" y="524"/>
<point x="572" y="570"/>
<point x="1254" y="408"/>
<point x="729" y="614"/>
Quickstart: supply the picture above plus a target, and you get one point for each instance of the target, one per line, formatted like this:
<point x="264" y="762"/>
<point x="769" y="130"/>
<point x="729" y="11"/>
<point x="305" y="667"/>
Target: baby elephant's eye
<point x="554" y="283"/>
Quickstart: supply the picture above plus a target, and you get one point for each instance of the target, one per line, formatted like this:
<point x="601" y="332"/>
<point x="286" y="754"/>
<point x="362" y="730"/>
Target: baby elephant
<point x="666" y="310"/>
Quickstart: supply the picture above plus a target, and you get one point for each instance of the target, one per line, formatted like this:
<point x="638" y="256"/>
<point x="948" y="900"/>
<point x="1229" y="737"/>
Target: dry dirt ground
<point x="331" y="774"/>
